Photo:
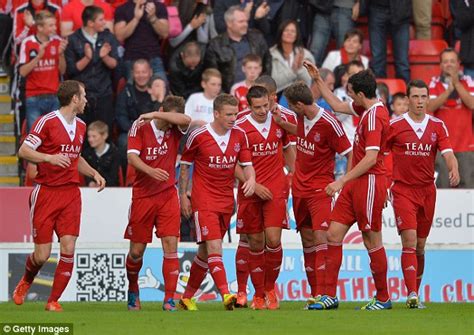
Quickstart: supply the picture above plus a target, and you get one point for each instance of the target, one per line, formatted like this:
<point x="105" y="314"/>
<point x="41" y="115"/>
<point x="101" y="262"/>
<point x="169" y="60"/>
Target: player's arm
<point x="249" y="186"/>
<point x="155" y="173"/>
<point x="333" y="101"/>
<point x="452" y="164"/>
<point x="289" y="154"/>
<point x="33" y="156"/>
<point x="362" y="167"/>
<point x="349" y="161"/>
<point x="179" y="119"/>
<point x="261" y="191"/>
<point x="289" y="127"/>
<point x="85" y="169"/>
<point x="183" y="184"/>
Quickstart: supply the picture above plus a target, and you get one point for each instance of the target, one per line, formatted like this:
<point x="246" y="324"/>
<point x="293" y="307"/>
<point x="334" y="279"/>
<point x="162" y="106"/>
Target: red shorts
<point x="211" y="225"/>
<point x="254" y="217"/>
<point x="160" y="211"/>
<point x="414" y="207"/>
<point x="313" y="213"/>
<point x="362" y="200"/>
<point x="55" y="209"/>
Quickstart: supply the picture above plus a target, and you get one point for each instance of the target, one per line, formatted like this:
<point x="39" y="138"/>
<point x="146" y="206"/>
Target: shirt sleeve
<point x="356" y="109"/>
<point x="120" y="15"/>
<point x="38" y="133"/>
<point x="135" y="139"/>
<point x="373" y="132"/>
<point x="444" y="144"/>
<point x="245" y="156"/>
<point x="338" y="140"/>
<point x="190" y="148"/>
<point x="291" y="119"/>
<point x="161" y="12"/>
<point x="390" y="140"/>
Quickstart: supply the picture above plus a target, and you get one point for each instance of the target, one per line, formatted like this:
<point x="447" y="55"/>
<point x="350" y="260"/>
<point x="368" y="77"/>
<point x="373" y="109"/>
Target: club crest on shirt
<point x="278" y="133"/>
<point x="237" y="147"/>
<point x="205" y="230"/>
<point x="317" y="137"/>
<point x="434" y="137"/>
<point x="53" y="50"/>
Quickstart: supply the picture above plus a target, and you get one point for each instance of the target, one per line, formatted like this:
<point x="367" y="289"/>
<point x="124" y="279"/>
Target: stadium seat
<point x="394" y="85"/>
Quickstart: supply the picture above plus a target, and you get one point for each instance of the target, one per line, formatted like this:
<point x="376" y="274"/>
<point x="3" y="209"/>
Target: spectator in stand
<point x="351" y="50"/>
<point x="452" y="100"/>
<point x="332" y="18"/>
<point x="399" y="105"/>
<point x="200" y="106"/>
<point x="256" y="12"/>
<point x="464" y="20"/>
<point x="102" y="156"/>
<point x="41" y="64"/>
<point x="288" y="55"/>
<point x="422" y="10"/>
<point x="156" y="88"/>
<point x="140" y="25"/>
<point x="24" y="22"/>
<point x="71" y="18"/>
<point x="383" y="93"/>
<point x="390" y="16"/>
<point x="252" y="68"/>
<point x="92" y="55"/>
<point x="185" y="69"/>
<point x="196" y="19"/>
<point x="227" y="51"/>
<point x="6" y="24"/>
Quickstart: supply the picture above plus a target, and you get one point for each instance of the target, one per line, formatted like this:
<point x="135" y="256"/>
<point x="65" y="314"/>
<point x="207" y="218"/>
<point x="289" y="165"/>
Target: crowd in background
<point x="130" y="54"/>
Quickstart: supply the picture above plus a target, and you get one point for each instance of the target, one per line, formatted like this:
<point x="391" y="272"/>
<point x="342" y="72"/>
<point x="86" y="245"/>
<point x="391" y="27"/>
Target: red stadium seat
<point x="422" y="51"/>
<point x="394" y="85"/>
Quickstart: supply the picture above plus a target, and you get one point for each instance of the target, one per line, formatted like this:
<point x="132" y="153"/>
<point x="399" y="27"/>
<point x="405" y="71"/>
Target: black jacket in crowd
<point x="221" y="55"/>
<point x="464" y="20"/>
<point x="184" y="81"/>
<point x="96" y="75"/>
<point x="107" y="165"/>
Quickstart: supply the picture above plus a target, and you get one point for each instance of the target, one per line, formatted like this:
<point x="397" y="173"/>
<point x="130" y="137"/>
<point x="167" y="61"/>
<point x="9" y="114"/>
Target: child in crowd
<point x="399" y="104"/>
<point x="252" y="68"/>
<point x="200" y="106"/>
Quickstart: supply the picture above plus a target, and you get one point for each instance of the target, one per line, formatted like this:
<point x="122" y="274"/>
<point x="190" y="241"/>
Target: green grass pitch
<point x="113" y="318"/>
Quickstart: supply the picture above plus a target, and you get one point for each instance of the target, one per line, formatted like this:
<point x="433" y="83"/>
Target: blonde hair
<point x="100" y="127"/>
<point x="42" y="16"/>
<point x="209" y="73"/>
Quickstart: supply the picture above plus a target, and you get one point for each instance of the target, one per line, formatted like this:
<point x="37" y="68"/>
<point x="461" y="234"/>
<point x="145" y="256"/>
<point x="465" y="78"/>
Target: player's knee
<point x="256" y="244"/>
<point x="333" y="237"/>
<point x="136" y="253"/>
<point x="272" y="242"/>
<point x="41" y="257"/>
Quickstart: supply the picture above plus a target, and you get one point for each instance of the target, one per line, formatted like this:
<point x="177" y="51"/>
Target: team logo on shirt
<point x="205" y="230"/>
<point x="237" y="147"/>
<point x="33" y="53"/>
<point x="434" y="137"/>
<point x="53" y="50"/>
<point x="278" y="133"/>
<point x="317" y="137"/>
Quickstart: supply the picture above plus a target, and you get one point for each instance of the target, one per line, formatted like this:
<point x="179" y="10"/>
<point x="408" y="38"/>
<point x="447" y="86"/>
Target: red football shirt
<point x="52" y="135"/>
<point x="371" y="134"/>
<point x="455" y="114"/>
<point x="414" y="147"/>
<point x="44" y="78"/>
<point x="214" y="158"/>
<point x="266" y="143"/>
<point x="72" y="12"/>
<point x="158" y="149"/>
<point x="318" y="141"/>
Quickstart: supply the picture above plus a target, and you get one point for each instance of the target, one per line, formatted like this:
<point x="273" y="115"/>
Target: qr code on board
<point x="101" y="277"/>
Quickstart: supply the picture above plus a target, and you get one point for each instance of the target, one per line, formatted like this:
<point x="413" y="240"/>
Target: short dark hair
<point x="256" y="92"/>
<point x="268" y="82"/>
<point x="224" y="99"/>
<point x="299" y="92"/>
<point x="142" y="61"/>
<point x="418" y="84"/>
<point x="364" y="82"/>
<point x="354" y="32"/>
<point x="191" y="48"/>
<point x="67" y="90"/>
<point x="153" y="79"/>
<point x="354" y="62"/>
<point x="173" y="103"/>
<point x="398" y="95"/>
<point x="252" y="58"/>
<point x="448" y="50"/>
<point x="90" y="13"/>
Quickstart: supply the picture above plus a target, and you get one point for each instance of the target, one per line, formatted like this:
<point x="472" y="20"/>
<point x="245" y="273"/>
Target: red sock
<point x="133" y="268"/>
<point x="419" y="270"/>
<point x="257" y="271"/>
<point x="309" y="264"/>
<point x="61" y="276"/>
<point x="273" y="259"/>
<point x="378" y="266"/>
<point x="333" y="265"/>
<point x="320" y="269"/>
<point x="197" y="274"/>
<point x="31" y="268"/>
<point x="409" y="268"/>
<point x="170" y="271"/>
<point x="216" y="267"/>
<point x="242" y="265"/>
